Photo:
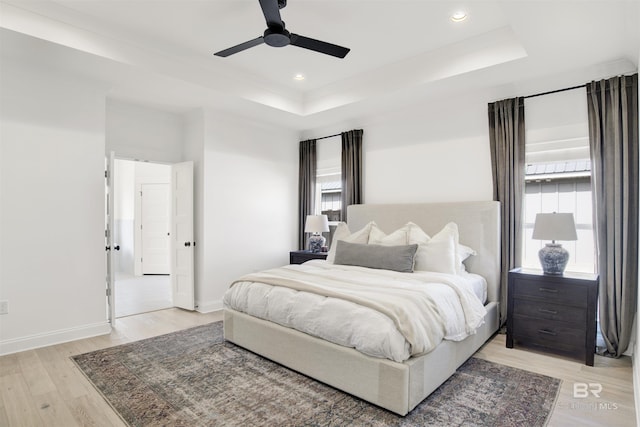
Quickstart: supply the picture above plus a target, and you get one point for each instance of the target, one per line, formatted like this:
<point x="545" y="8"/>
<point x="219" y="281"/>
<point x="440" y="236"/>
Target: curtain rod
<point x="329" y="136"/>
<point x="568" y="88"/>
<point x="554" y="91"/>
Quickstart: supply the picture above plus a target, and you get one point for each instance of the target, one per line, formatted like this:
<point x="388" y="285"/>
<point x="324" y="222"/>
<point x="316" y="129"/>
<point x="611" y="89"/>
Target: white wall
<point x="143" y="133"/>
<point x="249" y="185"/>
<point x="52" y="258"/>
<point x="434" y="151"/>
<point x="426" y="152"/>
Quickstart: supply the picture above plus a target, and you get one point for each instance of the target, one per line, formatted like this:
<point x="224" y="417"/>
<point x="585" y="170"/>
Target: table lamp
<point x="316" y="224"/>
<point x="554" y="226"/>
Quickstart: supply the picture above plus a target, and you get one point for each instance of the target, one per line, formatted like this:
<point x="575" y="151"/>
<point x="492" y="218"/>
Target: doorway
<point x="141" y="232"/>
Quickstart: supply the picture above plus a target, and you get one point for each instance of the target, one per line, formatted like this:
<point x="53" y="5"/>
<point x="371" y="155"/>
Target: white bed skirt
<point x="398" y="387"/>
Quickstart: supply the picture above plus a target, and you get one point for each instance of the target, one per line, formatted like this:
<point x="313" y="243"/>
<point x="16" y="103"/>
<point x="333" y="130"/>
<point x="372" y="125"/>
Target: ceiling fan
<point x="277" y="36"/>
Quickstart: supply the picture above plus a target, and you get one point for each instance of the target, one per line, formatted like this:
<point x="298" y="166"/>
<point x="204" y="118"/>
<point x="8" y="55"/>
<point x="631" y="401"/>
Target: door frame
<point x="110" y="288"/>
<point x="109" y="223"/>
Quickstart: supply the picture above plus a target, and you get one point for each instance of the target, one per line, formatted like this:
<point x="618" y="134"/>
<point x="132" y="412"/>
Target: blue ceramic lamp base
<point x="553" y="258"/>
<point x="316" y="242"/>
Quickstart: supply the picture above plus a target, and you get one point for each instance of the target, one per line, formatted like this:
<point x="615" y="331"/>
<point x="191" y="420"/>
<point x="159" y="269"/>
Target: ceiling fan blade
<point x="319" y="46"/>
<point x="240" y="47"/>
<point x="271" y="12"/>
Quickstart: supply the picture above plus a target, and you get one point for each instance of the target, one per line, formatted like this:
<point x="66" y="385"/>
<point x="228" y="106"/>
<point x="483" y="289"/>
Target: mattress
<point x="350" y="324"/>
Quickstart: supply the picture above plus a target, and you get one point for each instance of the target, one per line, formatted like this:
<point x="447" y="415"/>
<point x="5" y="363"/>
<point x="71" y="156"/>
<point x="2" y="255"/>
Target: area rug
<point x="195" y="378"/>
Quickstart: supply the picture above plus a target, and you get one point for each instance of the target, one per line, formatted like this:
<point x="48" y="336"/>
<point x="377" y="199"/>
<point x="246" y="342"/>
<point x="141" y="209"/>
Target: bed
<point x="396" y="386"/>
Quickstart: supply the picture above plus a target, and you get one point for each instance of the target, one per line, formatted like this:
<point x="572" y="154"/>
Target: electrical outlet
<point x="4" y="307"/>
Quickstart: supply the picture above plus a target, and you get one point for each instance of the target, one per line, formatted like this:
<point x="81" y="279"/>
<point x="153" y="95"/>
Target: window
<point x="558" y="174"/>
<point x="329" y="181"/>
<point x="330" y="188"/>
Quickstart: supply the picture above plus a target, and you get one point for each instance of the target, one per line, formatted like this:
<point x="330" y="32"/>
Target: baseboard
<point x="208" y="306"/>
<point x="54" y="337"/>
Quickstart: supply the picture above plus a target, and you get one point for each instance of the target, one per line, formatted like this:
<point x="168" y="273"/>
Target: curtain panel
<point x="613" y="136"/>
<point x="306" y="187"/>
<point x="507" y="146"/>
<point x="351" y="170"/>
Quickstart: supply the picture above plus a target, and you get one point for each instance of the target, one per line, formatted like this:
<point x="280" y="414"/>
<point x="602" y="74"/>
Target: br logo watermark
<point x="590" y="390"/>
<point x="584" y="390"/>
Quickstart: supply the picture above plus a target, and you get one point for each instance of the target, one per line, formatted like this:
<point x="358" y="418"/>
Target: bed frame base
<point x="398" y="387"/>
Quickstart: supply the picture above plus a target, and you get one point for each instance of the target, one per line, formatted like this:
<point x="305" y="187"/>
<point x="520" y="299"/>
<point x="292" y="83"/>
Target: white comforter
<point x="380" y="313"/>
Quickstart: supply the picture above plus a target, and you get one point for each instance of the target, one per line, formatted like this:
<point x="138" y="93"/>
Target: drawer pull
<point x="551" y="291"/>
<point x="544" y="310"/>
<point x="547" y="332"/>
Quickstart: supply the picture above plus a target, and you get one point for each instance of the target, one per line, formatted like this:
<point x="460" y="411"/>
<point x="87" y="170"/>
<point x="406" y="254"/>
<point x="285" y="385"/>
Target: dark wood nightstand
<point x="553" y="313"/>
<point x="299" y="257"/>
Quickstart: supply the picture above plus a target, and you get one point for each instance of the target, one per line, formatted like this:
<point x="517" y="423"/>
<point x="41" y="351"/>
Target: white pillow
<point x="439" y="254"/>
<point x="464" y="252"/>
<point x="342" y="233"/>
<point x="397" y="238"/>
<point x="416" y="234"/>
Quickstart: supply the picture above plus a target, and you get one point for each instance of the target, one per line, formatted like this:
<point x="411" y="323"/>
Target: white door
<point x="109" y="240"/>
<point x="182" y="243"/>
<point x="155" y="223"/>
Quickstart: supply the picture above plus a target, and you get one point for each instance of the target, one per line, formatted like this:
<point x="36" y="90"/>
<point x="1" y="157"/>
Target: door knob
<point x="187" y="244"/>
<point x="117" y="248"/>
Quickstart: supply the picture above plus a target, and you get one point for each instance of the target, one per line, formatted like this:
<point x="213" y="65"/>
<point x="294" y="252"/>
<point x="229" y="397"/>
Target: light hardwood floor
<point x="44" y="388"/>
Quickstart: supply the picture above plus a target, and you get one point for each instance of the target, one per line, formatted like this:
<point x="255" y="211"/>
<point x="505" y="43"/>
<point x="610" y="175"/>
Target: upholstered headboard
<point x="478" y="225"/>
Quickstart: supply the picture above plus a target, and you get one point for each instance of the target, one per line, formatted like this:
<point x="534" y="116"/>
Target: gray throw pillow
<point x="396" y="258"/>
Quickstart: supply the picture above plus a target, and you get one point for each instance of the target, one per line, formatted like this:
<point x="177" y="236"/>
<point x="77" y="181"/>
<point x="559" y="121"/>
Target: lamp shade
<point x="316" y="224"/>
<point x="554" y="226"/>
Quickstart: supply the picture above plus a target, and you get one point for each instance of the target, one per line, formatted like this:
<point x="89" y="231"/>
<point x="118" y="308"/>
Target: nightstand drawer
<point x="548" y="333"/>
<point x="300" y="257"/>
<point x="545" y="310"/>
<point x="558" y="293"/>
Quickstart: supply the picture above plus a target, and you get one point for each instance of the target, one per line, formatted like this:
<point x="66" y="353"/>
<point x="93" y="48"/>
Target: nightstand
<point x="299" y="257"/>
<point x="553" y="313"/>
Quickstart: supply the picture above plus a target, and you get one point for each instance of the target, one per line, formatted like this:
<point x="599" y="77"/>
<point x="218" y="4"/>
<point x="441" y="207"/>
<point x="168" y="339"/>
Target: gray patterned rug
<point x="195" y="378"/>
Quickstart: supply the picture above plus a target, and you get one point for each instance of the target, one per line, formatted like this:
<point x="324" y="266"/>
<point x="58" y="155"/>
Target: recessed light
<point x="299" y="77"/>
<point x="458" y="16"/>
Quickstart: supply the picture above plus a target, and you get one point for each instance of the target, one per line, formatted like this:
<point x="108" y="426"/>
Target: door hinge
<point x="106" y="174"/>
<point x="108" y="292"/>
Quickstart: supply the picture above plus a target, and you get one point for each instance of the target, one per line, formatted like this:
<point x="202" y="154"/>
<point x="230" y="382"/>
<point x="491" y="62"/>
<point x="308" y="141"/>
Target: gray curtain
<point x="613" y="135"/>
<point x="507" y="145"/>
<point x="306" y="187"/>
<point x="351" y="170"/>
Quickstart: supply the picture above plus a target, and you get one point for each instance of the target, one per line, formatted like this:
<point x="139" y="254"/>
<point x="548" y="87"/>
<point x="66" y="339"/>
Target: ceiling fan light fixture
<point x="459" y="16"/>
